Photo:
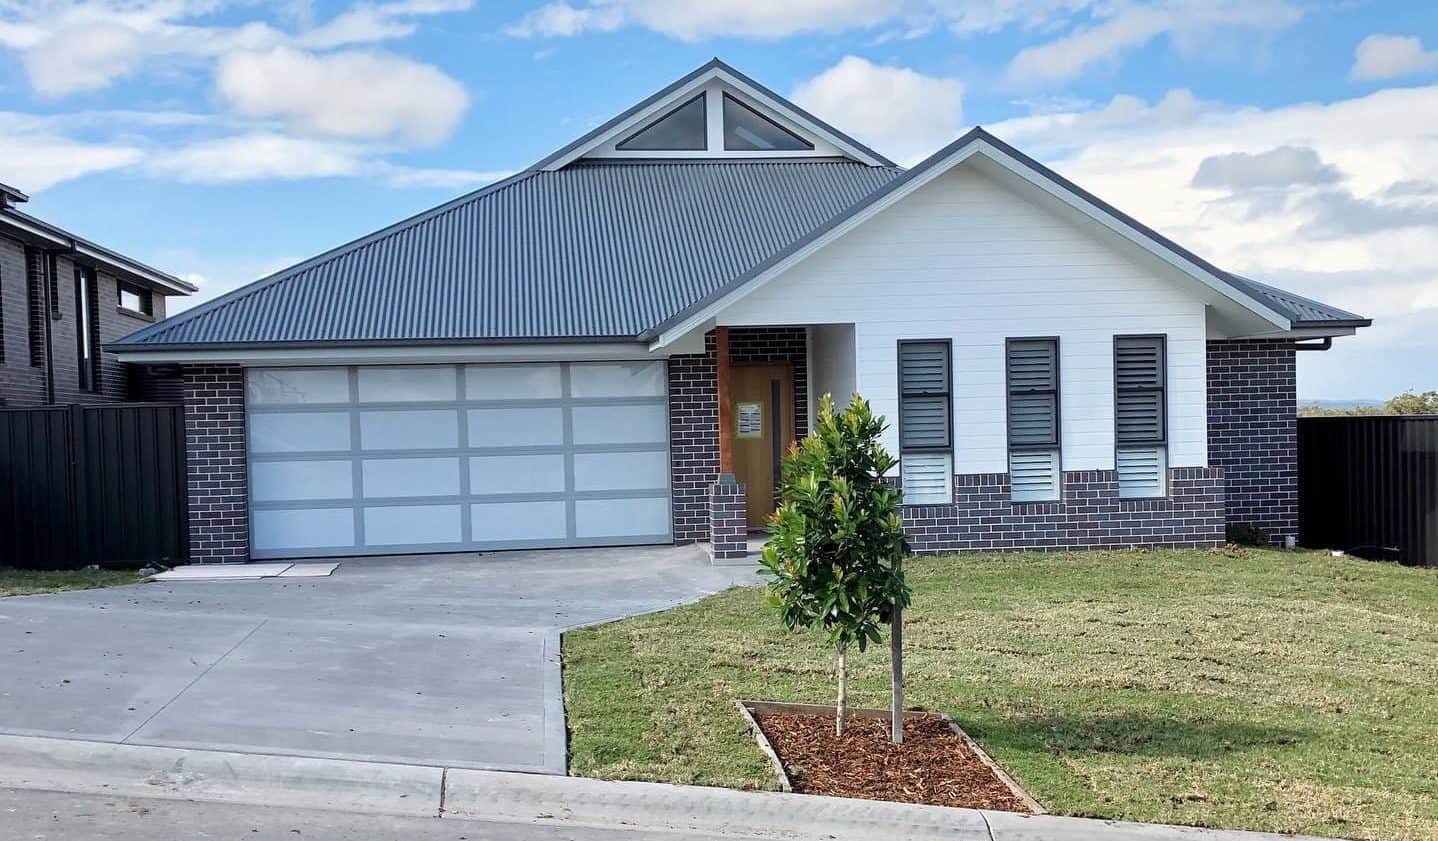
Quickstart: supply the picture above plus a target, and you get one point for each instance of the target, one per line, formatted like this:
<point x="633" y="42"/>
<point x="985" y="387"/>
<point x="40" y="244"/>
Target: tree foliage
<point x="1408" y="403"/>
<point x="834" y="560"/>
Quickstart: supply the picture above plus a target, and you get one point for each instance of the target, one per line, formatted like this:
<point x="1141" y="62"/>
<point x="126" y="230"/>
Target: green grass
<point x="1243" y="689"/>
<point x="25" y="582"/>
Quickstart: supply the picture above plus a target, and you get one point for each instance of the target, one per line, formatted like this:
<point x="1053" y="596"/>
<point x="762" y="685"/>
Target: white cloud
<point x="1387" y="56"/>
<point x="75" y="46"/>
<point x="347" y="94"/>
<point x="259" y="156"/>
<point x="697" y="20"/>
<point x="36" y="154"/>
<point x="1124" y="28"/>
<point x="900" y="112"/>
<point x="1337" y="235"/>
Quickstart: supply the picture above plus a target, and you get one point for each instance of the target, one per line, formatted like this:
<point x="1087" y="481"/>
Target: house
<point x="61" y="299"/>
<point x="615" y="346"/>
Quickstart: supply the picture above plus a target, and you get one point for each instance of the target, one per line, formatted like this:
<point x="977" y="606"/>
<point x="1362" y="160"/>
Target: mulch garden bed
<point x="935" y="765"/>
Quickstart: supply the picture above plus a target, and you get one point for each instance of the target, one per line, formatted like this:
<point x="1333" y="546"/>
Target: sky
<point x="1294" y="141"/>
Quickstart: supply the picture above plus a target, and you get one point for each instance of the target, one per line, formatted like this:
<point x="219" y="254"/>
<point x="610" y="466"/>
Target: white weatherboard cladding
<point x="966" y="259"/>
<point x="374" y="460"/>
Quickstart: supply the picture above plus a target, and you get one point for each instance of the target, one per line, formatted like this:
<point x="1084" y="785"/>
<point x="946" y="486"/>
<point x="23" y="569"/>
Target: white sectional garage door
<point x="434" y="458"/>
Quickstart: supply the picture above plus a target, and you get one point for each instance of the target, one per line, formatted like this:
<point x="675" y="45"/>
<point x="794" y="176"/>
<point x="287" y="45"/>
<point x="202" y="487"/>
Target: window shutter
<point x="1032" y="420"/>
<point x="1034" y="475"/>
<point x="1142" y="472"/>
<point x="1139" y="389"/>
<point x="927" y="478"/>
<point x="924" y="384"/>
<point x="926" y="460"/>
<point x="1033" y="364"/>
<point x="1140" y="421"/>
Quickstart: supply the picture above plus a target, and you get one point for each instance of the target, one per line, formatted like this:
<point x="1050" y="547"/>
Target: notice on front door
<point x="750" y="420"/>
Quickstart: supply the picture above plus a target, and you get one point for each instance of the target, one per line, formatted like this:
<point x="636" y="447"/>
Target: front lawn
<point x="25" y="582"/>
<point x="1245" y="689"/>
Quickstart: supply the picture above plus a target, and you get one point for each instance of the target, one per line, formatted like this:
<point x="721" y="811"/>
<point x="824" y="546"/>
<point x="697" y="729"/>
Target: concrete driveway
<point x="434" y="660"/>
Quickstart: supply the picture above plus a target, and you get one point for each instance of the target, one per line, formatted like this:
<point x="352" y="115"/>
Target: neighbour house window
<point x="1140" y="416"/>
<point x="746" y="130"/>
<point x="1032" y="367"/>
<point x="685" y="129"/>
<point x="2" y="315"/>
<point x="52" y="274"/>
<point x="85" y="328"/>
<point x="35" y="298"/>
<point x="135" y="299"/>
<point x="926" y="406"/>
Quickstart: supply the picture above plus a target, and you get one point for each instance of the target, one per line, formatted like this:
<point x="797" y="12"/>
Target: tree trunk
<point x="896" y="658"/>
<point x="841" y="708"/>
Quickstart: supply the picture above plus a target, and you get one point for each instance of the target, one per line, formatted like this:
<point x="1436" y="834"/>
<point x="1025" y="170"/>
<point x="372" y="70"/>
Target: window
<point x="135" y="299"/>
<point x="926" y="440"/>
<point x="35" y="297"/>
<point x="746" y="130"/>
<point x="685" y="129"/>
<point x="85" y="329"/>
<point x="1140" y="416"/>
<point x="1033" y="385"/>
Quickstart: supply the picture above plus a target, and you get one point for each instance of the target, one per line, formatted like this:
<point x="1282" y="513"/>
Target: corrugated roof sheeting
<point x="1295" y="307"/>
<point x="592" y="250"/>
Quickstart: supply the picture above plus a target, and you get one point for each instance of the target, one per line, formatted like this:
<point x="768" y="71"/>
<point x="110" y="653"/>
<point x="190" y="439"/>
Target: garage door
<point x="435" y="458"/>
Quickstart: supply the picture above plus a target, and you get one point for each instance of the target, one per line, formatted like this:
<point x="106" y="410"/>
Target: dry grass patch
<point x="1290" y="692"/>
<point x="25" y="582"/>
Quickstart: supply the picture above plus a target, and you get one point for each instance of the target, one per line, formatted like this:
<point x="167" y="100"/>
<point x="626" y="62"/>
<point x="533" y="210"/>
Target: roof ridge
<point x="253" y="287"/>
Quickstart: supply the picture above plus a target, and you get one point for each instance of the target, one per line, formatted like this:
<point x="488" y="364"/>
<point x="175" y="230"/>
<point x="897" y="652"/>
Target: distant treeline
<point x="1407" y="403"/>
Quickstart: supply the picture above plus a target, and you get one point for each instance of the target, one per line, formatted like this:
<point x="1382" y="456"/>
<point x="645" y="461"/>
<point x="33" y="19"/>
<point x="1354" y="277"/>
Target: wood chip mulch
<point x="932" y="766"/>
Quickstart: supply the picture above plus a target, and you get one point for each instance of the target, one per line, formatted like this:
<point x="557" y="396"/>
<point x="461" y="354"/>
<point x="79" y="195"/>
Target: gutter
<point x="110" y="260"/>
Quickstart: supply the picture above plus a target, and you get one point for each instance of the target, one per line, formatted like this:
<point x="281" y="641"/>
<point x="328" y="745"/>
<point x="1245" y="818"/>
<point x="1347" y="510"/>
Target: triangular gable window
<point x="681" y="130"/>
<point x="746" y="130"/>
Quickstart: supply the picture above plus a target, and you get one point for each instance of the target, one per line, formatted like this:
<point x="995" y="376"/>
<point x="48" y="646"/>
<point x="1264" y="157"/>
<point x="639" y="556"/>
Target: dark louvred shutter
<point x="1139" y="389"/>
<point x="924" y="385"/>
<point x="1033" y="392"/>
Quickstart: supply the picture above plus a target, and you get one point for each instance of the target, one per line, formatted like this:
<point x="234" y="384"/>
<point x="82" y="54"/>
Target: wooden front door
<point x="762" y="397"/>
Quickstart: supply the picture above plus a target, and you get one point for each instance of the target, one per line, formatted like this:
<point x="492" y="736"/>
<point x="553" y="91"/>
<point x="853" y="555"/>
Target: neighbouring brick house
<point x="616" y="345"/>
<point x="61" y="299"/>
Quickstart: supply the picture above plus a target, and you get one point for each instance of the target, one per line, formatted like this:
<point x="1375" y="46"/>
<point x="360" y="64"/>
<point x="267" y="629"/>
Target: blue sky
<point x="1291" y="140"/>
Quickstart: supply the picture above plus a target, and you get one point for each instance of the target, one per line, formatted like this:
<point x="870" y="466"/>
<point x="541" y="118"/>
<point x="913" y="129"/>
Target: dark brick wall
<point x="1090" y="516"/>
<point x="1253" y="431"/>
<point x="22" y="384"/>
<point x="215" y="453"/>
<point x="694" y="415"/>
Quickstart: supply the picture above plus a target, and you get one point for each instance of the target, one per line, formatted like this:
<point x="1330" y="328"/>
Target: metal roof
<point x="597" y="250"/>
<point x="1303" y="312"/>
<point x="1299" y="311"/>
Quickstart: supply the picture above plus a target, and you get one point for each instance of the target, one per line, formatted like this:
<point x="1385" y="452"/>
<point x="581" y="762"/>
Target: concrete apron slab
<point x="79" y="767"/>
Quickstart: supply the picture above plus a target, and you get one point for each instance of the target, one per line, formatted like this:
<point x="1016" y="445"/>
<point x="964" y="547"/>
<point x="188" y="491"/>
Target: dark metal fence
<point x="101" y="484"/>
<point x="1369" y="485"/>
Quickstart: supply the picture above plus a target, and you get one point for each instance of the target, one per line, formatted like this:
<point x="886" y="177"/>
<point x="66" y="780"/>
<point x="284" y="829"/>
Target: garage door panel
<point x="621" y="471"/>
<point x="617" y="379"/>
<point x="513" y="382"/>
<point x="297" y="386"/>
<point x="418" y="429"/>
<point x="505" y="522"/>
<point x="290" y="481"/>
<point x="373" y="460"/>
<point x="401" y="477"/>
<point x="620" y="424"/>
<point x="299" y="432"/>
<point x="601" y="518"/>
<point x="408" y="384"/>
<point x="516" y="474"/>
<point x="291" y="530"/>
<point x="516" y="427"/>
<point x="409" y="525"/>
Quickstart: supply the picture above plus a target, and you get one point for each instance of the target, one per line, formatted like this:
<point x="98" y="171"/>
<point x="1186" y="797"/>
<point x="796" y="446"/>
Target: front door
<point x="762" y="397"/>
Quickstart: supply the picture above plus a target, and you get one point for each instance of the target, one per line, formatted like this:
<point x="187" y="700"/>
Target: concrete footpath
<point x="42" y="777"/>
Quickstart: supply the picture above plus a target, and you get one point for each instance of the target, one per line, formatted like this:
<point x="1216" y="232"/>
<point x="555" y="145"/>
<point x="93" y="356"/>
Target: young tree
<point x="834" y="558"/>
